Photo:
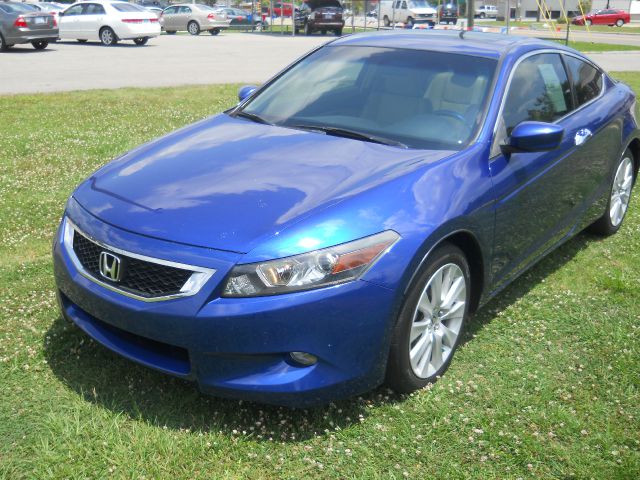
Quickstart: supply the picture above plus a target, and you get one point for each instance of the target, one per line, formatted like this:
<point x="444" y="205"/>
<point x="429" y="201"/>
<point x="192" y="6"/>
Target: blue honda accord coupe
<point x="336" y="228"/>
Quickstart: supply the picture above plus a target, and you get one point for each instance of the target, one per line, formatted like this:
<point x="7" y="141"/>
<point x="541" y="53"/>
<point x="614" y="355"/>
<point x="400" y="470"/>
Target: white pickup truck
<point x="408" y="12"/>
<point x="486" y="11"/>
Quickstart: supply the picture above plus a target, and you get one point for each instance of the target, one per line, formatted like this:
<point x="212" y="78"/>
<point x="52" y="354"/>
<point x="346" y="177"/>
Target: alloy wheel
<point x="621" y="191"/>
<point x="107" y="37"/>
<point x="437" y="320"/>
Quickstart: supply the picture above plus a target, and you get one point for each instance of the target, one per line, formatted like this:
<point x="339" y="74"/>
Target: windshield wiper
<point x="354" y="134"/>
<point x="251" y="116"/>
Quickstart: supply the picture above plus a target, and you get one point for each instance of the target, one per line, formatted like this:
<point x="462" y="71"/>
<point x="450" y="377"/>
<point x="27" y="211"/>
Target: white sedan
<point x="108" y="22"/>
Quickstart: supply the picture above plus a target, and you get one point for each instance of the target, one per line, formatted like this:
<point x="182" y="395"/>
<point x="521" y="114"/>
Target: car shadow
<point x="123" y="387"/>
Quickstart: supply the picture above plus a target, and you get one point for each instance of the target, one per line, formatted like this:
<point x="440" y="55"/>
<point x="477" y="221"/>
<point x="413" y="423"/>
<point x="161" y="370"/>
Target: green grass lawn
<point x="596" y="47"/>
<point x="546" y="383"/>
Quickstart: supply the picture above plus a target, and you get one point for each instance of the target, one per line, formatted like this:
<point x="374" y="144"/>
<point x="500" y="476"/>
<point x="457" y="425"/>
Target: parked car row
<point x="105" y="21"/>
<point x="411" y="12"/>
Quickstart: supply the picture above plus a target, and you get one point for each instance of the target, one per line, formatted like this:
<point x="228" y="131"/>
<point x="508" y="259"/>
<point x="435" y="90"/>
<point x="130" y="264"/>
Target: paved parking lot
<point x="165" y="61"/>
<point x="178" y="60"/>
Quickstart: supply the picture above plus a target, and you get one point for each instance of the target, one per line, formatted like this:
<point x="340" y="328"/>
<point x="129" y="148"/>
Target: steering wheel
<point x="451" y="114"/>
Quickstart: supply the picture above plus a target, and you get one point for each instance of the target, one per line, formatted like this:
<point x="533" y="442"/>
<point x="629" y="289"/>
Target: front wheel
<point x="108" y="37"/>
<point x="588" y="23"/>
<point x="3" y="44"/>
<point x="81" y="40"/>
<point x="431" y="321"/>
<point x="619" y="197"/>
<point x="386" y="21"/>
<point x="338" y="32"/>
<point x="482" y="15"/>
<point x="215" y="31"/>
<point x="170" y="32"/>
<point x="619" y="22"/>
<point x="40" y="44"/>
<point x="193" y="28"/>
<point x="307" y="29"/>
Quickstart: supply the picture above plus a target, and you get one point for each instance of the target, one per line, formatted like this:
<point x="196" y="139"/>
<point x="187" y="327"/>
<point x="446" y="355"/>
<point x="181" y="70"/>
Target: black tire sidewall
<point x="399" y="374"/>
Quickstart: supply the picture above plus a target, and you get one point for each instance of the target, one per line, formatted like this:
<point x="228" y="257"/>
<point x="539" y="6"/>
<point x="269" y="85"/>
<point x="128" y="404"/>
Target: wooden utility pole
<point x="471" y="12"/>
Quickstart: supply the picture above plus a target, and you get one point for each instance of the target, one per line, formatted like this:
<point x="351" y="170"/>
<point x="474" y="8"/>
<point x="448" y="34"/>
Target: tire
<point x="108" y="37"/>
<point x="215" y="31"/>
<point x="443" y="324"/>
<point x="482" y="15"/>
<point x="588" y="23"/>
<point x="141" y="41"/>
<point x="323" y="32"/>
<point x="410" y="22"/>
<point x="40" y="44"/>
<point x="81" y="40"/>
<point x="170" y="32"/>
<point x="622" y="183"/>
<point x="455" y="22"/>
<point x="338" y="32"/>
<point x="386" y="21"/>
<point x="619" y="22"/>
<point x="193" y="28"/>
<point x="3" y="44"/>
<point x="307" y="29"/>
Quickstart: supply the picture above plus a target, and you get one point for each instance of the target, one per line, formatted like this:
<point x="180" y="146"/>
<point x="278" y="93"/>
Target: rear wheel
<point x="619" y="197"/>
<point x="3" y="44"/>
<point x="193" y="28"/>
<point x="619" y="22"/>
<point x="40" y="44"/>
<point x="410" y="22"/>
<point x="386" y="21"/>
<point x="482" y="15"/>
<point x="323" y="32"/>
<point x="431" y="321"/>
<point x="108" y="37"/>
<point x="141" y="41"/>
<point x="588" y="23"/>
<point x="171" y="32"/>
<point x="338" y="32"/>
<point x="307" y="29"/>
<point x="215" y="31"/>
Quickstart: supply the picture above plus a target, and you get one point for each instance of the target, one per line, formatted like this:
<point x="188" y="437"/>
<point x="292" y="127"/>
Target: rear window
<point x="128" y="7"/>
<point x="17" y="7"/>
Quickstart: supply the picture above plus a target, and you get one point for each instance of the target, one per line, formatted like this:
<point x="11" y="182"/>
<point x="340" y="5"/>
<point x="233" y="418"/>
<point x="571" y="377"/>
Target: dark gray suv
<point x="23" y="23"/>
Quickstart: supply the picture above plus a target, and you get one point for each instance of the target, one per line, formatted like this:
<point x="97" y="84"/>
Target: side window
<point x="539" y="91"/>
<point x="185" y="10"/>
<point x="77" y="10"/>
<point x="169" y="11"/>
<point x="585" y="79"/>
<point x="404" y="4"/>
<point x="94" y="9"/>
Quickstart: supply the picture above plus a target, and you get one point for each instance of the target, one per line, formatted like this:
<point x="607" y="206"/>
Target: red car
<point x="281" y="9"/>
<point x="603" y="17"/>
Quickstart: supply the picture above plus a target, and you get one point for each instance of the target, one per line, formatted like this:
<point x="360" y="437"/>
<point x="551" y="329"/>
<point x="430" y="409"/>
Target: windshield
<point x="128" y="7"/>
<point x="418" y="98"/>
<point x="419" y="4"/>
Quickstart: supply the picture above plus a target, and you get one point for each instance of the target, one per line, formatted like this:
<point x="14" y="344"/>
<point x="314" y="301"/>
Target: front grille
<point x="140" y="277"/>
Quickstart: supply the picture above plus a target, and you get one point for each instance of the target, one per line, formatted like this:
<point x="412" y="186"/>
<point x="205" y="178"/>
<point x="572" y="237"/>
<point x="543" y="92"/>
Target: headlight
<point x="319" y="268"/>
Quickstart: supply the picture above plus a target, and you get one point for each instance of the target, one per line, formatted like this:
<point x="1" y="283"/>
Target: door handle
<point x="582" y="136"/>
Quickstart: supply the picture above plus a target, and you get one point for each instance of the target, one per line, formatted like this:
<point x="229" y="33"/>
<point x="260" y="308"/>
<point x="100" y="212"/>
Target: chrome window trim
<point x="515" y="67"/>
<point x="191" y="287"/>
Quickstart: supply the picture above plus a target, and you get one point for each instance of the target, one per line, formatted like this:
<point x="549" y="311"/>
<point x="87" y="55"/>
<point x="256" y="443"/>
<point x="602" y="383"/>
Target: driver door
<point x="535" y="192"/>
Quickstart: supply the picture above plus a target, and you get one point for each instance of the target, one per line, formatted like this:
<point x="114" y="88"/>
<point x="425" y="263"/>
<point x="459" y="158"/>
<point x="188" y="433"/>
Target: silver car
<point x="194" y="18"/>
<point x="23" y="23"/>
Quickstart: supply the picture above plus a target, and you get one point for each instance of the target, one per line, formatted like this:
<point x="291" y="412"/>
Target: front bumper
<point x="234" y="347"/>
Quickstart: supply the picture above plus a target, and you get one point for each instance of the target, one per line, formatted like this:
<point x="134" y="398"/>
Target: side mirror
<point x="245" y="91"/>
<point x="534" y="137"/>
<point x="60" y="14"/>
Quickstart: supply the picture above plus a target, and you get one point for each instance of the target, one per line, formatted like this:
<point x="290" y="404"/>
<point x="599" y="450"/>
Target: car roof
<point x="490" y="45"/>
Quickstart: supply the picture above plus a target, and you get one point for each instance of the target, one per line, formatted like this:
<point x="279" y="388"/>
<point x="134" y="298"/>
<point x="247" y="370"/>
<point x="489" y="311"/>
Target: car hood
<point x="423" y="10"/>
<point x="225" y="183"/>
